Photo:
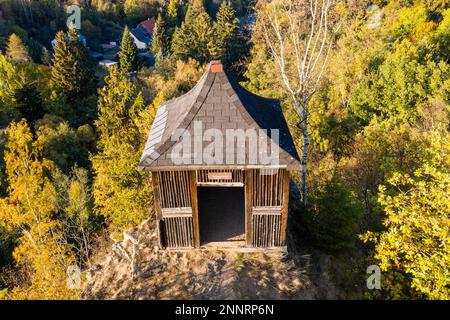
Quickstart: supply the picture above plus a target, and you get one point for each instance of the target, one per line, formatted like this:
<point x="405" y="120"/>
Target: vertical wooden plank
<point x="157" y="200"/>
<point x="194" y="203"/>
<point x="285" y="207"/>
<point x="248" y="206"/>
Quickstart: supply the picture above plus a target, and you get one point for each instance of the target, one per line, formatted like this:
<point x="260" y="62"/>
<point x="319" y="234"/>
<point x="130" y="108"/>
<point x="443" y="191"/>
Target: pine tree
<point x="17" y="50"/>
<point x="65" y="67"/>
<point x="121" y="193"/>
<point x="160" y="39"/>
<point x="227" y="37"/>
<point x="86" y="75"/>
<point x="172" y="14"/>
<point x="72" y="68"/>
<point x="195" y="38"/>
<point x="128" y="59"/>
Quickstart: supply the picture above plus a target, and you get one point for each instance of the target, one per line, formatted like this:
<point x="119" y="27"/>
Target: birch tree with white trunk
<point x="299" y="36"/>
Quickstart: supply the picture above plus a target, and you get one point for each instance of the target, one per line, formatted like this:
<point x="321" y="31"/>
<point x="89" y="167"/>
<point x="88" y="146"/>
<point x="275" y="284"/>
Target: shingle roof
<point x="141" y="34"/>
<point x="217" y="101"/>
<point x="148" y="24"/>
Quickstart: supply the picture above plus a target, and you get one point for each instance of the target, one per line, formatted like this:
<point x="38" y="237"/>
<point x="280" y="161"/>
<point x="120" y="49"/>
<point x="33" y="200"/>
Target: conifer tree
<point x="17" y="50"/>
<point x="227" y="36"/>
<point x="86" y="75"/>
<point x="64" y="67"/>
<point x="128" y="60"/>
<point x="121" y="193"/>
<point x="72" y="68"/>
<point x="195" y="38"/>
<point x="172" y="14"/>
<point x="160" y="39"/>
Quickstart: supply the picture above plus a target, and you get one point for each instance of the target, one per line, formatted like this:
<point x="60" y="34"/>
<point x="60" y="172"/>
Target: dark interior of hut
<point x="221" y="214"/>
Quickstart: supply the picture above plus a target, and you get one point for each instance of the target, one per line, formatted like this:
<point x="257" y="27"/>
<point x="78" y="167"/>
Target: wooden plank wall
<point x="177" y="232"/>
<point x="173" y="198"/>
<point x="266" y="230"/>
<point x="174" y="186"/>
<point x="266" y="197"/>
<point x="268" y="217"/>
<point x="268" y="188"/>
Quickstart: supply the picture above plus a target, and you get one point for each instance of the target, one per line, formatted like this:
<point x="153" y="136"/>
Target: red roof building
<point x="148" y="25"/>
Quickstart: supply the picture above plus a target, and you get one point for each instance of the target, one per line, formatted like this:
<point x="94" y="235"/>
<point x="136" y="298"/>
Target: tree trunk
<point x="305" y="160"/>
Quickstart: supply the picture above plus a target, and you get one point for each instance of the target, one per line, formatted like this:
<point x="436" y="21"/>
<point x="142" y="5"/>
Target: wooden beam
<point x="220" y="184"/>
<point x="285" y="207"/>
<point x="194" y="203"/>
<point x="157" y="200"/>
<point x="273" y="211"/>
<point x="248" y="207"/>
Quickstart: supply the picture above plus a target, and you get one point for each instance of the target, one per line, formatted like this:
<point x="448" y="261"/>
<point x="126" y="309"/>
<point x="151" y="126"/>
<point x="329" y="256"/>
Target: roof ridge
<point x="200" y="99"/>
<point x="246" y="114"/>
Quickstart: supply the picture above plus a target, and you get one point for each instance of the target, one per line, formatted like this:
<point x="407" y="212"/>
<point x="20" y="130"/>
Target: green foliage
<point x="160" y="38"/>
<point x="128" y="59"/>
<point x="28" y="208"/>
<point x="169" y="79"/>
<point x="195" y="37"/>
<point x="228" y="40"/>
<point x="8" y="240"/>
<point x="442" y="37"/>
<point x="72" y="71"/>
<point x="62" y="144"/>
<point x="406" y="72"/>
<point x="75" y="205"/>
<point x="133" y="11"/>
<point x="121" y="193"/>
<point x="417" y="220"/>
<point x="21" y="90"/>
<point x="64" y="72"/>
<point x="331" y="220"/>
<point x="381" y="118"/>
<point x="29" y="102"/>
<point x="400" y="83"/>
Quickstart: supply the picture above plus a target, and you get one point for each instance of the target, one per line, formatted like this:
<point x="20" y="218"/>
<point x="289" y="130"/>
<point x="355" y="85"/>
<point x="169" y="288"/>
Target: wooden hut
<point x="201" y="201"/>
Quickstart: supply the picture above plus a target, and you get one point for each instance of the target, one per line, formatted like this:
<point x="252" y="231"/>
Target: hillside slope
<point x="137" y="269"/>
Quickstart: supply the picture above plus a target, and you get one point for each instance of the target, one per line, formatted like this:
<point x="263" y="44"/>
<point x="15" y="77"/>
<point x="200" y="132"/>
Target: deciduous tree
<point x="417" y="222"/>
<point x="298" y="35"/>
<point x="29" y="207"/>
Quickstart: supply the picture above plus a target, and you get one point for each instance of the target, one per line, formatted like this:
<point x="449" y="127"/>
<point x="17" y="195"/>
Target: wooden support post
<point x="285" y="207"/>
<point x="194" y="203"/>
<point x="248" y="207"/>
<point x="157" y="200"/>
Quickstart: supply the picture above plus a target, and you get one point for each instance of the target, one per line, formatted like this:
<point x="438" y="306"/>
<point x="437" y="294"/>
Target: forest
<point x="366" y="95"/>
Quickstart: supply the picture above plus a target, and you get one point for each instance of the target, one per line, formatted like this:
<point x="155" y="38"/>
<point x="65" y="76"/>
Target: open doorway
<point x="221" y="212"/>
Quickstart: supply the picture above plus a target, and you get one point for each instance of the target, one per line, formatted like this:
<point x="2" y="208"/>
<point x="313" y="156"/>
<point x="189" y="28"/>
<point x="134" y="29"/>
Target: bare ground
<point x="136" y="268"/>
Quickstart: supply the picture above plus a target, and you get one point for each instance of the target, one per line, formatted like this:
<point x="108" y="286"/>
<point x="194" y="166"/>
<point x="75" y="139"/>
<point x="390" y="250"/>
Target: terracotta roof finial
<point x="216" y="66"/>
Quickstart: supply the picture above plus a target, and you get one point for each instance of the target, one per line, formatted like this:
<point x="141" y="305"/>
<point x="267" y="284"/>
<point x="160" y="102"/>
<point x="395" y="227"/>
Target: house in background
<point x="148" y="25"/>
<point x="142" y="34"/>
<point x="141" y="38"/>
<point x="107" y="64"/>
